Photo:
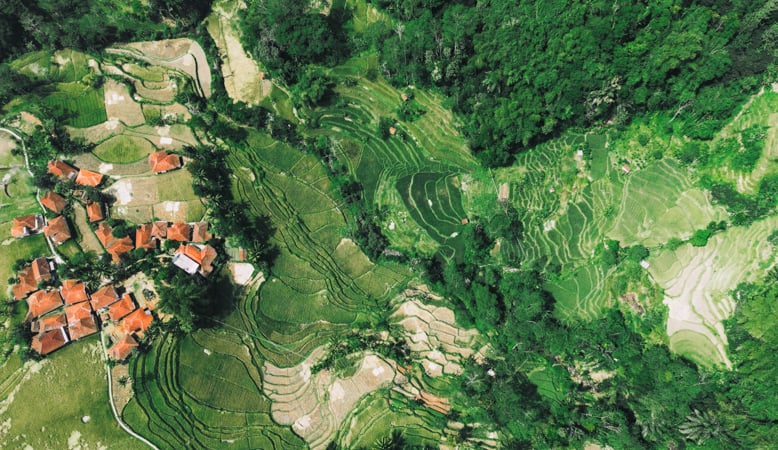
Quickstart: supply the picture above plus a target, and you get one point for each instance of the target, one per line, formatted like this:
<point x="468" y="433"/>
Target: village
<point x="61" y="311"/>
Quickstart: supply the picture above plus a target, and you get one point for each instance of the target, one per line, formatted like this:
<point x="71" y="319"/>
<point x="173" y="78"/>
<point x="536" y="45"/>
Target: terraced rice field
<point x="81" y="106"/>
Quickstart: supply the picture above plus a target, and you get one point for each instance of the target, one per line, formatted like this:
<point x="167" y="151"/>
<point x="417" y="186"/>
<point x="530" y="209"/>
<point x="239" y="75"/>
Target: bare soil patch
<point x="120" y="105"/>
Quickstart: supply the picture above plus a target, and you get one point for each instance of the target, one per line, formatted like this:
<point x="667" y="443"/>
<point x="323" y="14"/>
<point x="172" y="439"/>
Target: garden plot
<point x="697" y="283"/>
<point x="241" y="73"/>
<point x="120" y="105"/>
<point x="184" y="55"/>
<point x="168" y="196"/>
<point x="316" y="405"/>
<point x="432" y="332"/>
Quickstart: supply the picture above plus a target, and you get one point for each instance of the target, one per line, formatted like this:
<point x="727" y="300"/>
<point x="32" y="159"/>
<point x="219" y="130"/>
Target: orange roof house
<point x="83" y="327"/>
<point x="121" y="308"/>
<point x="49" y="323"/>
<point x="54" y="202"/>
<point x="392" y="130"/>
<point x="62" y="169"/>
<point x="159" y="230"/>
<point x="193" y="258"/>
<point x="49" y="341"/>
<point x="143" y="237"/>
<point x="89" y="178"/>
<point x="115" y="246"/>
<point x="57" y="230"/>
<point x="137" y="321"/>
<point x="41" y="269"/>
<point x="179" y="231"/>
<point x="200" y="232"/>
<point x="122" y="348"/>
<point x="103" y="297"/>
<point x="104" y="234"/>
<point x="163" y="161"/>
<point x="73" y="291"/>
<point x="27" y="225"/>
<point x="26" y="284"/>
<point x="95" y="211"/>
<point x="78" y="312"/>
<point x="42" y="302"/>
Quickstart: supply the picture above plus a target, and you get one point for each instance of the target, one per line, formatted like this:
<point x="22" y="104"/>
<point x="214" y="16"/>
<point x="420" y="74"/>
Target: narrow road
<point x="110" y="400"/>
<point x="54" y="253"/>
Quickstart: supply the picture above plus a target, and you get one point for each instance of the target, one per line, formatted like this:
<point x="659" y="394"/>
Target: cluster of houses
<point x="68" y="313"/>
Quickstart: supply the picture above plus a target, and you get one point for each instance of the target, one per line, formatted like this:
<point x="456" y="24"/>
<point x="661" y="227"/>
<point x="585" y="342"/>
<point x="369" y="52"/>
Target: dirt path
<point x="89" y="241"/>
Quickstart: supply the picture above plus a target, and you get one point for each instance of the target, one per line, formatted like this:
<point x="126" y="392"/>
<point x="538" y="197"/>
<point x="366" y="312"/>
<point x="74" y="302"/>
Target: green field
<point x="68" y="385"/>
<point x="124" y="149"/>
<point x="77" y="105"/>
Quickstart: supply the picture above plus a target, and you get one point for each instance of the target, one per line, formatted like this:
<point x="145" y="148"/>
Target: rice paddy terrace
<point x="246" y="382"/>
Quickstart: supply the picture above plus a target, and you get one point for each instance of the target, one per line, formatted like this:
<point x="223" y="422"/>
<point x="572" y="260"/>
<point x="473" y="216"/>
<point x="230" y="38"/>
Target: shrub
<point x="700" y="238"/>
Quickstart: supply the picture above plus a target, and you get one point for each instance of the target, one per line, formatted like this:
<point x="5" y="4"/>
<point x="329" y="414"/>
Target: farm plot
<point x="315" y="289"/>
<point x="179" y="403"/>
<point x="167" y="196"/>
<point x="78" y="105"/>
<point x="124" y="149"/>
<point x="66" y="66"/>
<point x="76" y="376"/>
<point x="120" y="105"/>
<point x="697" y="282"/>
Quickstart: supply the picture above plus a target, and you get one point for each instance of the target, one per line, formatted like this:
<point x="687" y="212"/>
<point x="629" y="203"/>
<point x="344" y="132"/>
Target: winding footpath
<point x="59" y="260"/>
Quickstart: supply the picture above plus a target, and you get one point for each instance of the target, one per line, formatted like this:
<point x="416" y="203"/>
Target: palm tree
<point x="702" y="426"/>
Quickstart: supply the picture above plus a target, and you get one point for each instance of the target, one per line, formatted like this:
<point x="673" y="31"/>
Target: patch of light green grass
<point x="124" y="149"/>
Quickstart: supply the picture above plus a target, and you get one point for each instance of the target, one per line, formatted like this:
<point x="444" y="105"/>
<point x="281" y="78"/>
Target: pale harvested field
<point x="89" y="241"/>
<point x="316" y="405"/>
<point x="240" y="72"/>
<point x="120" y="105"/>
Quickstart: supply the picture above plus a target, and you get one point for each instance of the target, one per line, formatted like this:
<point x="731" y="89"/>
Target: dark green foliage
<point x="690" y="152"/>
<point x="610" y="252"/>
<point x="506" y="224"/>
<point x="700" y="238"/>
<point x="286" y="36"/>
<point x="519" y="74"/>
<point x="313" y="87"/>
<point x="753" y="143"/>
<point x="343" y="346"/>
<point x="637" y="253"/>
<point x="194" y="301"/>
<point x="384" y="123"/>
<point x="91" y="24"/>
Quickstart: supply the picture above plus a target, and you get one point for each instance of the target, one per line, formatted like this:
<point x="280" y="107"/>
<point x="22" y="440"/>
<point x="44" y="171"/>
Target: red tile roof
<point x="179" y="231"/>
<point x="54" y="201"/>
<point x="83" y="327"/>
<point x="41" y="269"/>
<point x="143" y="237"/>
<point x="120" y="247"/>
<point x="73" y="291"/>
<point x="78" y="312"/>
<point x="89" y="178"/>
<point x="103" y="297"/>
<point x="49" y="323"/>
<point x="159" y="230"/>
<point x="104" y="235"/>
<point x="95" y="211"/>
<point x="203" y="255"/>
<point x="122" y="348"/>
<point x="121" y="308"/>
<point x="26" y="284"/>
<point x="42" y="302"/>
<point x="163" y="161"/>
<point x="137" y="321"/>
<point x="62" y="169"/>
<point x="200" y="232"/>
<point x="49" y="341"/>
<point x="27" y="225"/>
<point x="57" y="230"/>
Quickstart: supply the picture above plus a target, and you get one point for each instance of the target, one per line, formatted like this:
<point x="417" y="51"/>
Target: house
<point x="159" y="230"/>
<point x="113" y="245"/>
<point x="626" y="169"/>
<point x="54" y="202"/>
<point x="121" y="308"/>
<point x="392" y="130"/>
<point x="80" y="320"/>
<point x="137" y="321"/>
<point x="27" y="225"/>
<point x="193" y="258"/>
<point x="29" y="277"/>
<point x="73" y="291"/>
<point x="94" y="210"/>
<point x="61" y="169"/>
<point x="200" y="232"/>
<point x="57" y="230"/>
<point x="103" y="297"/>
<point x="122" y="348"/>
<point x="163" y="161"/>
<point x="42" y="302"/>
<point x="143" y="237"/>
<point x="49" y="323"/>
<point x="89" y="178"/>
<point x="179" y="231"/>
<point x="49" y="341"/>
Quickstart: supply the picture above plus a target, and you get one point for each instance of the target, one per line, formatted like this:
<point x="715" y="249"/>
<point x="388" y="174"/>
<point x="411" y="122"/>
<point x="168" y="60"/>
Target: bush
<point x="700" y="238"/>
